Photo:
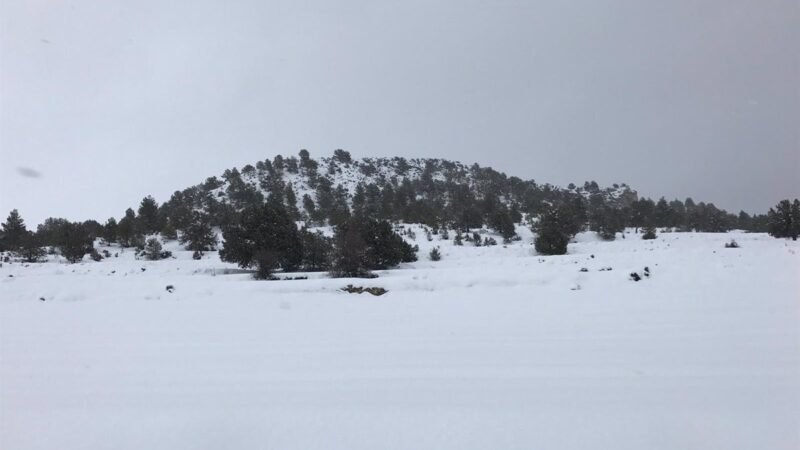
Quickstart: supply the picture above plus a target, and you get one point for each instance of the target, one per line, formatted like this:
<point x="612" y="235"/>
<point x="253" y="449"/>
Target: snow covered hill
<point x="432" y="179"/>
<point x="491" y="347"/>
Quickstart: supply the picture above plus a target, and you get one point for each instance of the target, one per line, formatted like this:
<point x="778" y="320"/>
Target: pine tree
<point x="500" y="220"/>
<point x="30" y="250"/>
<point x="553" y="231"/>
<point x="341" y="210"/>
<point x="607" y="222"/>
<point x="794" y="230"/>
<point x="153" y="250"/>
<point x="359" y="200"/>
<point x="77" y="242"/>
<point x="264" y="237"/>
<point x="350" y="253"/>
<point x="14" y="231"/>
<point x="311" y="210"/>
<point x="110" y="230"/>
<point x="290" y="198"/>
<point x="51" y="231"/>
<point x="148" y="216"/>
<point x="199" y="236"/>
<point x="662" y="217"/>
<point x="342" y="156"/>
<point x="168" y="231"/>
<point x="780" y="219"/>
<point x="435" y="255"/>
<point x="362" y="245"/>
<point x="317" y="250"/>
<point x="127" y="231"/>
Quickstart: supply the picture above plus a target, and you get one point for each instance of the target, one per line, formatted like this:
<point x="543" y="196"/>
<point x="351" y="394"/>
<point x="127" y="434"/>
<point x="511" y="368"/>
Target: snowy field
<point x="490" y="348"/>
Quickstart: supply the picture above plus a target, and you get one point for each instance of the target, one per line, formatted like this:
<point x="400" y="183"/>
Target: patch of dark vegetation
<point x="635" y="276"/>
<point x="95" y="255"/>
<point x="377" y="291"/>
<point x="732" y="244"/>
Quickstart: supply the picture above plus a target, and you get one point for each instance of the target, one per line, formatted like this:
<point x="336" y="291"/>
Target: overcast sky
<point x="104" y="102"/>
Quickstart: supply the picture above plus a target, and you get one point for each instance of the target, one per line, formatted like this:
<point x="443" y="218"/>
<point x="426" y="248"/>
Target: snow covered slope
<point x="433" y="174"/>
<point x="491" y="347"/>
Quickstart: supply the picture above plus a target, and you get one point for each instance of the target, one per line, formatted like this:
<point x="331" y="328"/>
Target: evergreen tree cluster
<point x="783" y="221"/>
<point x="73" y="240"/>
<point x="266" y="239"/>
<point x="433" y="192"/>
<point x="354" y="195"/>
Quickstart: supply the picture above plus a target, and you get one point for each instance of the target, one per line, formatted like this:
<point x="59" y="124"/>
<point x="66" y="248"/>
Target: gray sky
<point x="108" y="101"/>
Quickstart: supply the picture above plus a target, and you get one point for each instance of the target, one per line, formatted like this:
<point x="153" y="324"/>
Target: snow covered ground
<point x="490" y="348"/>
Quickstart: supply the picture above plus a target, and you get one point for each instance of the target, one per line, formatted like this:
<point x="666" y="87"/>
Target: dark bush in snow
<point x="435" y="255"/>
<point x="153" y="250"/>
<point x="95" y="255"/>
<point x="377" y="291"/>
<point x="29" y="248"/>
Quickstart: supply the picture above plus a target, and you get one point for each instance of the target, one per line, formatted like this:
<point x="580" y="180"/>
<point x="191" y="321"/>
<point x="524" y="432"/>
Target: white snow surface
<point x="489" y="348"/>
